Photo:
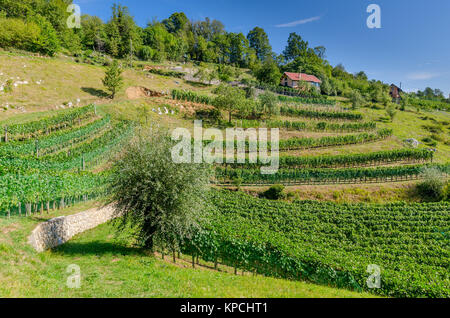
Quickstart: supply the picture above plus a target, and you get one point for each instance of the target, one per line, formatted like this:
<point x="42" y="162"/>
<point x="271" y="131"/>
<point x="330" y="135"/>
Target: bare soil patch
<point x="135" y="92"/>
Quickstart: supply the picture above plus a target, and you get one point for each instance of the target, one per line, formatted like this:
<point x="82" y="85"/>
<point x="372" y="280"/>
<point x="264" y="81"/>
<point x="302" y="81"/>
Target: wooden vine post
<point x="6" y="133"/>
<point x="37" y="148"/>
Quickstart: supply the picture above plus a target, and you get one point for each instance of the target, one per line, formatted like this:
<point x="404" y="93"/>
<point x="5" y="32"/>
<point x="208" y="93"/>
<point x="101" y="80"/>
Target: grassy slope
<point x="66" y="81"/>
<point x="111" y="269"/>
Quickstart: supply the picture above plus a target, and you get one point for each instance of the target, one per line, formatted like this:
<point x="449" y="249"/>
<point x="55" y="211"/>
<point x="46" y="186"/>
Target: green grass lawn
<point x="111" y="268"/>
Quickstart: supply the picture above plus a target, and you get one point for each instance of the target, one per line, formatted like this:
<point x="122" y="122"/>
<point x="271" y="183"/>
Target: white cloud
<point x="298" y="22"/>
<point x="421" y="76"/>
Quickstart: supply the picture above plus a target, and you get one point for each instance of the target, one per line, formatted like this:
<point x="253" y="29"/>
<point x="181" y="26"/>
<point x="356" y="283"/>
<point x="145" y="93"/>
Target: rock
<point x="59" y="230"/>
<point x="413" y="142"/>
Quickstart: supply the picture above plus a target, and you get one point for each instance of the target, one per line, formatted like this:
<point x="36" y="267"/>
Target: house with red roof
<point x="292" y="79"/>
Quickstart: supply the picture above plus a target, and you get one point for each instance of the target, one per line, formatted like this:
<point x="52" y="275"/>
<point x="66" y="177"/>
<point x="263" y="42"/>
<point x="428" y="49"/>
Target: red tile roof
<point x="303" y="77"/>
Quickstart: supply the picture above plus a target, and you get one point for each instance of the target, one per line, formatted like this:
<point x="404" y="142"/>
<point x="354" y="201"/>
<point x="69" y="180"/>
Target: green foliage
<point x="230" y="99"/>
<point x="268" y="104"/>
<point x="212" y="115"/>
<point x="164" y="200"/>
<point x="356" y="99"/>
<point x="307" y="100"/>
<point x="327" y="88"/>
<point x="194" y="97"/>
<point x="391" y="112"/>
<point x="284" y="90"/>
<point x="122" y="32"/>
<point x="429" y="141"/>
<point x="426" y="104"/>
<point x="225" y="72"/>
<point x="432" y="188"/>
<point x="331" y="244"/>
<point x="146" y="53"/>
<point x="50" y="170"/>
<point x="296" y="143"/>
<point x="165" y="44"/>
<point x="447" y="192"/>
<point x="8" y="88"/>
<point x="275" y="192"/>
<point x="39" y="188"/>
<point x="53" y="142"/>
<point x="167" y="73"/>
<point x="93" y="35"/>
<point x="307" y="126"/>
<point x="268" y="73"/>
<point x="40" y="26"/>
<point x="318" y="114"/>
<point x="64" y="119"/>
<point x="259" y="41"/>
<point x="19" y="34"/>
<point x="48" y="42"/>
<point x="296" y="47"/>
<point x="349" y="160"/>
<point x="36" y="34"/>
<point x="325" y="176"/>
<point x="113" y="80"/>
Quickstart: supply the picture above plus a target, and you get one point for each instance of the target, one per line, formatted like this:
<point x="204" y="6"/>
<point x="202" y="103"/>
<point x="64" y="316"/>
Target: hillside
<point x="59" y="156"/>
<point x="112" y="268"/>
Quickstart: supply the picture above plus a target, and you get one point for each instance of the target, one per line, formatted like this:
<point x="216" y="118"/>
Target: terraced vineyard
<point x="326" y="176"/>
<point x="319" y="114"/>
<point x="305" y="170"/>
<point x="332" y="244"/>
<point x="47" y="164"/>
<point x="307" y="126"/>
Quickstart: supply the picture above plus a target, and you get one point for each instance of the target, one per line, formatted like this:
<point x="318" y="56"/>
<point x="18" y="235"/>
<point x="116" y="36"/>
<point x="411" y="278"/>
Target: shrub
<point x="432" y="188"/>
<point x="438" y="137"/>
<point x="237" y="182"/>
<point x="356" y="99"/>
<point x="447" y="192"/>
<point x="391" y="112"/>
<point x="163" y="200"/>
<point x="145" y="53"/>
<point x="213" y="115"/>
<point x="19" y="34"/>
<point x="8" y="86"/>
<point x="430" y="142"/>
<point x="275" y="192"/>
<point x="48" y="42"/>
<point x="268" y="102"/>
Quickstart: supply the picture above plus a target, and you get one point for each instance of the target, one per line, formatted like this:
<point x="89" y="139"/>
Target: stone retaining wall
<point x="59" y="230"/>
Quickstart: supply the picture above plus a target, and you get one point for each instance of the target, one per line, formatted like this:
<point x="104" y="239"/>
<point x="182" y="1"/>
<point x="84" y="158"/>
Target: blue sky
<point x="412" y="47"/>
